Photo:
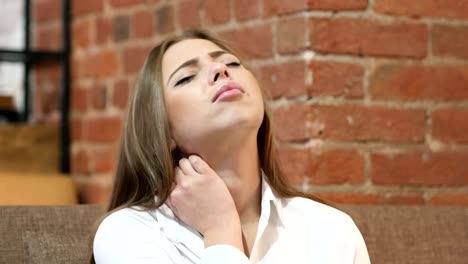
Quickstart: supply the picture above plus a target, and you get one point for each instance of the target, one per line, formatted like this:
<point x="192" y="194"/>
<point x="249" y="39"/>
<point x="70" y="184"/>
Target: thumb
<point x="199" y="165"/>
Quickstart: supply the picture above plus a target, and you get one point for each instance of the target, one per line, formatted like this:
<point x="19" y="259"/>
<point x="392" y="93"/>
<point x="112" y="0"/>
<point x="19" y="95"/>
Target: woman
<point x="197" y="178"/>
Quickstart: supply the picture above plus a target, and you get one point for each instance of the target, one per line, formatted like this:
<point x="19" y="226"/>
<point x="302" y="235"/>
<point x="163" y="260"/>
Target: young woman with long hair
<point x="198" y="179"/>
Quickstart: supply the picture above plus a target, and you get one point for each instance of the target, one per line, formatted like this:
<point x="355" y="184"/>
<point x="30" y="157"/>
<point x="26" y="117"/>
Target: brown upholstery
<point x="47" y="234"/>
<point x="394" y="234"/>
<point x="413" y="234"/>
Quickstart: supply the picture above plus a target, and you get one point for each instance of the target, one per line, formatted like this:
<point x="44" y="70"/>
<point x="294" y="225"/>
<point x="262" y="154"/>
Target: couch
<point x="394" y="234"/>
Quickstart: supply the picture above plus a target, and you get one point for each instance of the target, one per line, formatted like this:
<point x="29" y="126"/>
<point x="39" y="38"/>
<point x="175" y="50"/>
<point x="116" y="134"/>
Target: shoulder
<point x="303" y="207"/>
<point x="124" y="226"/>
<point x="133" y="235"/>
<point x="130" y="234"/>
<point x="313" y="216"/>
<point x="327" y="231"/>
<point x="128" y="218"/>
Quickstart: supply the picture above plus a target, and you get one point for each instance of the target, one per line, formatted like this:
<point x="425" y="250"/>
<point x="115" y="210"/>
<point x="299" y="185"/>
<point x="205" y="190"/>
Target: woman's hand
<point x="202" y="200"/>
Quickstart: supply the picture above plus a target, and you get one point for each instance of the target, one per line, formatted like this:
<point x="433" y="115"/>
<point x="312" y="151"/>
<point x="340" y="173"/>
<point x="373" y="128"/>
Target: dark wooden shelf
<point x="7" y="103"/>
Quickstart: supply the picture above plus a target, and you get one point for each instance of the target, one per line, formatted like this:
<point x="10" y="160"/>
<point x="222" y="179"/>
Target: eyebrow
<point x="194" y="61"/>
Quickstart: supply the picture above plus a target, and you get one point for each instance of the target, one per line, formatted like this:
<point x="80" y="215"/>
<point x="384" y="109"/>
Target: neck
<point x="238" y="165"/>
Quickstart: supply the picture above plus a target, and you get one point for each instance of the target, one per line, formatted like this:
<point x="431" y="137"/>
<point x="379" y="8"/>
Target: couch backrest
<point x="47" y="234"/>
<point x="413" y="234"/>
<point x="393" y="234"/>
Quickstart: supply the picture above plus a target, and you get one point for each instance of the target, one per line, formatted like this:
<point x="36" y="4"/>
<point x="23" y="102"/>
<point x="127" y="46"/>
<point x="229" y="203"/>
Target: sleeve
<point x="122" y="238"/>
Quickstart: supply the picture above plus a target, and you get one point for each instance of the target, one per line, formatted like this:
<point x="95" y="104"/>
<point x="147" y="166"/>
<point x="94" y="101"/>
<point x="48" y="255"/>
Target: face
<point x="210" y="97"/>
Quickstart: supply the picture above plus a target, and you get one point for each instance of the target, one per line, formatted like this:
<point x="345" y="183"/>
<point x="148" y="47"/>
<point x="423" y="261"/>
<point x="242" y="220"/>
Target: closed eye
<point x="233" y="64"/>
<point x="184" y="80"/>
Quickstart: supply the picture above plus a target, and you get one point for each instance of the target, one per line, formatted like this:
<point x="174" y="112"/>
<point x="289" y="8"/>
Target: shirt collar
<point x="270" y="201"/>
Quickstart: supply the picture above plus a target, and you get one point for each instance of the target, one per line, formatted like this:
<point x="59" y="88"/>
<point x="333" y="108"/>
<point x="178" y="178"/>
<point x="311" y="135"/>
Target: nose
<point x="218" y="72"/>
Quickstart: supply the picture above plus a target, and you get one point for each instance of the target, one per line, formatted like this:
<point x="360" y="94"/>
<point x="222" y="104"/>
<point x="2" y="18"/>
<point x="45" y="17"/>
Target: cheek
<point x="177" y="107"/>
<point x="183" y="108"/>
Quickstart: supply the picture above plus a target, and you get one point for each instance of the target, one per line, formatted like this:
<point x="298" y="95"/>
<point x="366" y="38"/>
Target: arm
<point x="202" y="200"/>
<point x="122" y="238"/>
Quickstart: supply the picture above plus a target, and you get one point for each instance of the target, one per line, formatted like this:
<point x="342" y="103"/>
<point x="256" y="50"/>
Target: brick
<point x="290" y="122"/>
<point x="120" y="28"/>
<point x="368" y="37"/>
<point x="291" y="34"/>
<point x="46" y="10"/>
<point x="103" y="159"/>
<point x="75" y="67"/>
<point x="450" y="41"/>
<point x="460" y="199"/>
<point x="252" y="42"/>
<point x="49" y="38"/>
<point x="80" y="98"/>
<point x="420" y="82"/>
<point x="450" y="125"/>
<point x="336" y="166"/>
<point x="164" y="22"/>
<point x="143" y="24"/>
<point x="294" y="163"/>
<point x="81" y="33"/>
<point x="372" y="198"/>
<point x="419" y="168"/>
<point x="80" y="162"/>
<point x="134" y="58"/>
<point x="429" y="8"/>
<point x="106" y="129"/>
<point x="125" y="3"/>
<point x="83" y="7"/>
<point x="217" y="12"/>
<point x="121" y="94"/>
<point x="101" y="64"/>
<point x="281" y="7"/>
<point x="245" y="9"/>
<point x="76" y="129"/>
<point x="189" y="13"/>
<point x="298" y="122"/>
<point x="47" y="97"/>
<point x="103" y="30"/>
<point x="99" y="97"/>
<point x="337" y="5"/>
<point x="336" y="79"/>
<point x="284" y="79"/>
<point x="48" y="74"/>
<point x="361" y="123"/>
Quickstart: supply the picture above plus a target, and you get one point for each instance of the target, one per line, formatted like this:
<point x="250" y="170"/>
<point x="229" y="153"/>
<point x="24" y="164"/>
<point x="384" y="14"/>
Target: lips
<point x="226" y="88"/>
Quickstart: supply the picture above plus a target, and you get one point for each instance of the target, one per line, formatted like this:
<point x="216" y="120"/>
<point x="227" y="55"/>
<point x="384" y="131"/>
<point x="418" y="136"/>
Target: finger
<point x="199" y="165"/>
<point x="179" y="175"/>
<point x="186" y="167"/>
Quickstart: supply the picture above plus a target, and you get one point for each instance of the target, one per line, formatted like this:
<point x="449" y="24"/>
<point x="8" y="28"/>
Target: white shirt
<point x="290" y="230"/>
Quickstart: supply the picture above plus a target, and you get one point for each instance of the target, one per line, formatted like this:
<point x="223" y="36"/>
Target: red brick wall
<point x="370" y="97"/>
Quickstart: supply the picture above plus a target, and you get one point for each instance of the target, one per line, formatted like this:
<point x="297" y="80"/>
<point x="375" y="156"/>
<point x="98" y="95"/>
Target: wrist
<point x="229" y="234"/>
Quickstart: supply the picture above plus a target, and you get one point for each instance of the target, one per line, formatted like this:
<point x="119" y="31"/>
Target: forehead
<point x="186" y="50"/>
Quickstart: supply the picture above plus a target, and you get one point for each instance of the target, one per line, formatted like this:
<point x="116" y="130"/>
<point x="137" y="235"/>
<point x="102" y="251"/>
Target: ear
<point x="173" y="145"/>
